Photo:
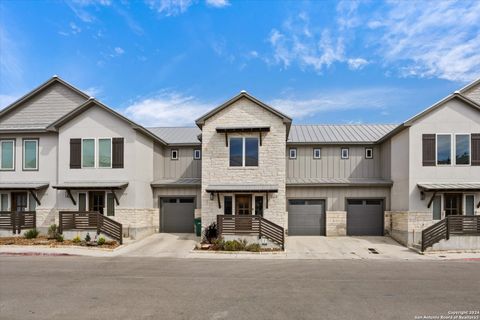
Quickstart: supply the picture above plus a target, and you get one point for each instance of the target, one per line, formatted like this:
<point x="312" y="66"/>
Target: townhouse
<point x="244" y="166"/>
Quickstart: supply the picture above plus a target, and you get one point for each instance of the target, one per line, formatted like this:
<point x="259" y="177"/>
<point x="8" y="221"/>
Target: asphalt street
<point x="46" y="287"/>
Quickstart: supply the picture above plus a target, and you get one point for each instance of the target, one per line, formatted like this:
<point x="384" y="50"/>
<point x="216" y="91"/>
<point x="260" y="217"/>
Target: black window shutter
<point x="117" y="152"/>
<point x="475" y="149"/>
<point x="428" y="149"/>
<point x="75" y="153"/>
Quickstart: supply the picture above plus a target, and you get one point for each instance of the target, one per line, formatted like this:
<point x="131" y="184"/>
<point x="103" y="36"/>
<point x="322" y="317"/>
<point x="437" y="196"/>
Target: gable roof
<point x="456" y="95"/>
<point x="177" y="135"/>
<point x="30" y="119"/>
<point x="470" y="86"/>
<point x="92" y="102"/>
<point x="243" y="94"/>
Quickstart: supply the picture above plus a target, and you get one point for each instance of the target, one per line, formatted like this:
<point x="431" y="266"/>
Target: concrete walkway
<point x="162" y="245"/>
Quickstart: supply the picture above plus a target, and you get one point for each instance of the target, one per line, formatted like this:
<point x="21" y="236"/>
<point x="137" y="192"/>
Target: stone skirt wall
<point x="406" y="226"/>
<point x="336" y="223"/>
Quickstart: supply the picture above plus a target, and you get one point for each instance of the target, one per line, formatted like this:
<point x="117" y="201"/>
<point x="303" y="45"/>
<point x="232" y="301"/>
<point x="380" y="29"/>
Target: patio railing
<point x="87" y="220"/>
<point x="16" y="221"/>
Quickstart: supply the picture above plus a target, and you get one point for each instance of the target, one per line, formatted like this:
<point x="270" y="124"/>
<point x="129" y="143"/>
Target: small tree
<point x="211" y="233"/>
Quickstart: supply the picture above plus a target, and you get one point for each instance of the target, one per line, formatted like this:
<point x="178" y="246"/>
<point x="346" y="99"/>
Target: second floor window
<point x="7" y="155"/>
<point x="444" y="149"/>
<point x="462" y="149"/>
<point x="243" y="152"/>
<point x="197" y="154"/>
<point x="88" y="153"/>
<point x="30" y="154"/>
<point x="174" y="154"/>
<point x="344" y="153"/>
<point x="105" y="153"/>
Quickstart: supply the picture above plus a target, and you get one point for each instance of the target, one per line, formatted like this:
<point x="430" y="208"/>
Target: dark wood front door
<point x="243" y="204"/>
<point x="96" y="201"/>
<point x="453" y="204"/>
<point x="19" y="201"/>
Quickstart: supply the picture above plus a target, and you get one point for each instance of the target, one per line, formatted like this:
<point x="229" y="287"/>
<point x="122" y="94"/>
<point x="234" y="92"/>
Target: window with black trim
<point x="444" y="149"/>
<point x="368" y="153"/>
<point x="174" y="154"/>
<point x="244" y="152"/>
<point x="317" y="153"/>
<point x="197" y="154"/>
<point x="344" y="153"/>
<point x="227" y="205"/>
<point x="292" y="153"/>
<point x="259" y="206"/>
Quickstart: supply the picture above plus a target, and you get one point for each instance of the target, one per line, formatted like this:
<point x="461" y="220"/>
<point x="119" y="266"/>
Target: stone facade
<point x="271" y="166"/>
<point x="336" y="223"/>
<point x="406" y="227"/>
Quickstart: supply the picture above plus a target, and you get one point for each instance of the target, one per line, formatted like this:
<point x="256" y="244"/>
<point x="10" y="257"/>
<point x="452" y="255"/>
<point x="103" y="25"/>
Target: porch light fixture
<point x="211" y="195"/>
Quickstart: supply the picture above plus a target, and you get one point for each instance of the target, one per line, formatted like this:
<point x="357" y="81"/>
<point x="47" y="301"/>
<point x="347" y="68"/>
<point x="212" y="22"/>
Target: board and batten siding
<point x="184" y="167"/>
<point x="178" y="192"/>
<point x="336" y="196"/>
<point x="332" y="166"/>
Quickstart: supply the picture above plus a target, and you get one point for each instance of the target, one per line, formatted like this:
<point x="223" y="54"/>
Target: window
<point x="4" y="202"/>
<point x="368" y="153"/>
<point x="174" y="154"/>
<point x="462" y="149"/>
<point x="317" y="153"/>
<point x="197" y="154"/>
<point x="30" y="154"/>
<point x="344" y="153"/>
<point x="227" y="205"/>
<point x="470" y="205"/>
<point x="444" y="149"/>
<point x="437" y="208"/>
<point x="110" y="205"/>
<point x="82" y="202"/>
<point x="105" y="153"/>
<point x="32" y="203"/>
<point x="243" y="152"/>
<point x="88" y="153"/>
<point x="7" y="155"/>
<point x="292" y="153"/>
<point x="259" y="206"/>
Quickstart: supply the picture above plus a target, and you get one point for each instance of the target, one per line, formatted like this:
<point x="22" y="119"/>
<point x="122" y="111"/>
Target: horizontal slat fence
<point x="76" y="220"/>
<point x="16" y="221"/>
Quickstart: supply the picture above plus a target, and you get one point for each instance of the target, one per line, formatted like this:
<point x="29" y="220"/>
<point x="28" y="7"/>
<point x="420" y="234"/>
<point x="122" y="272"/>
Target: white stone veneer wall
<point x="336" y="223"/>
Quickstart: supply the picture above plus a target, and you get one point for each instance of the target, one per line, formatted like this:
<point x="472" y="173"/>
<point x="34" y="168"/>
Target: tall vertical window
<point x="88" y="153"/>
<point x="462" y="149"/>
<point x="30" y="154"/>
<point x="110" y="205"/>
<point x="470" y="205"/>
<point x="32" y="203"/>
<point x="82" y="202"/>
<point x="3" y="202"/>
<point x="251" y="152"/>
<point x="105" y="153"/>
<point x="227" y="205"/>
<point x="444" y="149"/>
<point x="7" y="155"/>
<point x="437" y="208"/>
<point x="259" y="206"/>
<point x="197" y="154"/>
<point x="344" y="153"/>
<point x="317" y="153"/>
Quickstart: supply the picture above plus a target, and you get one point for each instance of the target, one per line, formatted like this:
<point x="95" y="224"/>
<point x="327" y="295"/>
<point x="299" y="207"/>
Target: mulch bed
<point x="44" y="241"/>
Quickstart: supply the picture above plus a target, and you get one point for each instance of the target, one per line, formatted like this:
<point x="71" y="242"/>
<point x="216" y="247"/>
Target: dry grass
<point x="44" y="241"/>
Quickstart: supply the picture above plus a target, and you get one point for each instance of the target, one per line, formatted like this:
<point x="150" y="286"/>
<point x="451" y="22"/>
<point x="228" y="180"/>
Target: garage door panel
<point x="365" y="217"/>
<point x="306" y="219"/>
<point x="177" y="217"/>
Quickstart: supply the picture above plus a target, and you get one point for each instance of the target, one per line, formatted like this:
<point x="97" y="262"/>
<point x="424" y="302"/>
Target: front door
<point x="96" y="201"/>
<point x="243" y="205"/>
<point x="453" y="204"/>
<point x="19" y="201"/>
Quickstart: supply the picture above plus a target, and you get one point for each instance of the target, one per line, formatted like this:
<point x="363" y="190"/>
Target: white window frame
<point x="97" y="154"/>
<point x="464" y="204"/>
<point x="36" y="151"/>
<point x="341" y="153"/>
<point x="14" y="154"/>
<point x="290" y="153"/>
<point x="315" y="153"/>
<point x="366" y="153"/>
<point x="8" y="200"/>
<point x="197" y="156"/>
<point x="442" y="212"/>
<point x="454" y="151"/>
<point x="452" y="147"/>
<point x="243" y="151"/>
<point x="94" y="153"/>
<point x="86" y="200"/>
<point x="171" y="154"/>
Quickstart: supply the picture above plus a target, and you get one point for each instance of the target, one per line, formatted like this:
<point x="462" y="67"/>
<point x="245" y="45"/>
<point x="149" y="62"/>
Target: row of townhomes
<point x="244" y="165"/>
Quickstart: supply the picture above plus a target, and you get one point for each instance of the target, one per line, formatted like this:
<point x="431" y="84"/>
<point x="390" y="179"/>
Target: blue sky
<point x="166" y="62"/>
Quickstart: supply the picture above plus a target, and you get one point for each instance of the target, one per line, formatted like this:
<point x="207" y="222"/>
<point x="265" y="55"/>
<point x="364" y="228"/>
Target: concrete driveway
<point x="161" y="245"/>
<point x="308" y="247"/>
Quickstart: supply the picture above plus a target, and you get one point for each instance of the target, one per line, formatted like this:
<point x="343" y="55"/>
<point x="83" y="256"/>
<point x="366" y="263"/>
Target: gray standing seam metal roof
<point x="179" y="182"/>
<point x="338" y="182"/>
<point x="177" y="135"/>
<point x="23" y="185"/>
<point x="242" y="187"/>
<point x="298" y="133"/>
<point x="449" y="186"/>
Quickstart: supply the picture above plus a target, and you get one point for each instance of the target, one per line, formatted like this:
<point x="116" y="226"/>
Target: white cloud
<point x="357" y="63"/>
<point x="217" y="3"/>
<point x="93" y="91"/>
<point x="6" y="99"/>
<point x="425" y="40"/>
<point x="119" y="51"/>
<point x="167" y="109"/>
<point x="330" y="101"/>
<point x="169" y="7"/>
<point x="74" y="28"/>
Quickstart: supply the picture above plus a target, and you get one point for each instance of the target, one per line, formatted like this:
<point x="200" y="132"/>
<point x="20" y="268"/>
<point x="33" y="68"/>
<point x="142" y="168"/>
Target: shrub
<point x="59" y="238"/>
<point x="52" y="231"/>
<point x="211" y="233"/>
<point x="253" y="247"/>
<point x="101" y="241"/>
<point x="234" y="245"/>
<point x="218" y="244"/>
<point x="87" y="237"/>
<point x="31" y="234"/>
<point x="76" y="239"/>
